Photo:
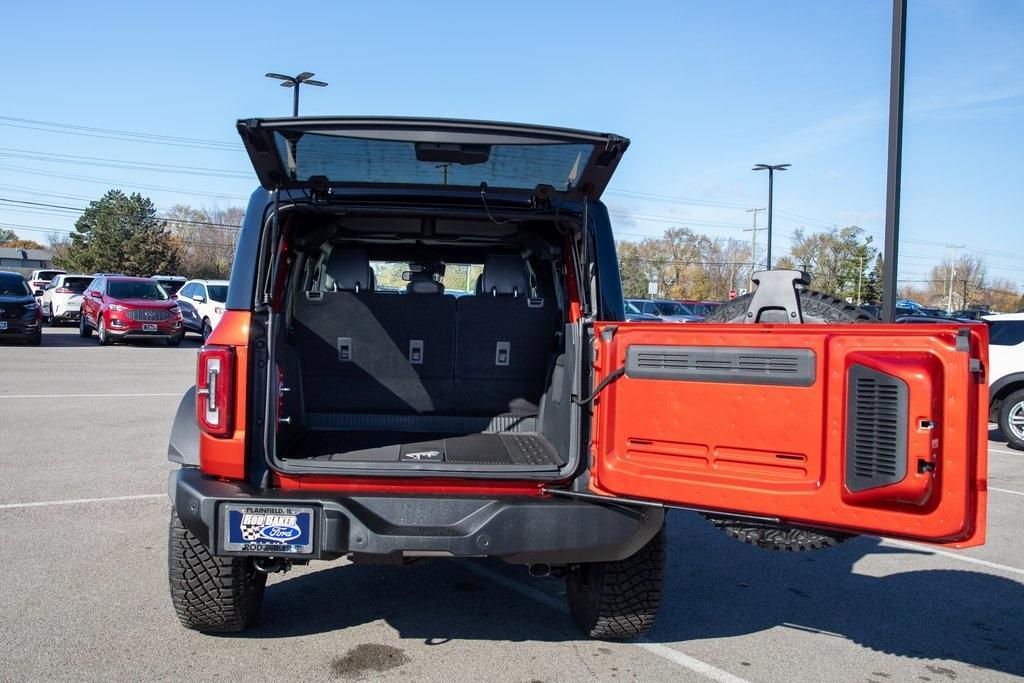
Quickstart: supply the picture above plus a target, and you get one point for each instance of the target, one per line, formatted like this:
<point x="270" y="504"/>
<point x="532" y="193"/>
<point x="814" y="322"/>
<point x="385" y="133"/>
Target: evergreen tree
<point x="121" y="233"/>
<point x="874" y="284"/>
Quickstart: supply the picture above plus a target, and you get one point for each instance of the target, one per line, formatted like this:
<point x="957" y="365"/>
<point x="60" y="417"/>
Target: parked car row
<point x="115" y="306"/>
<point x="668" y="310"/>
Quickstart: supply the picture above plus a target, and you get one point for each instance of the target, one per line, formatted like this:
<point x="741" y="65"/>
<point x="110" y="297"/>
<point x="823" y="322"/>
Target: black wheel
<point x="815" y="308"/>
<point x="1011" y="419"/>
<point x="175" y="340"/>
<point x="83" y="327"/>
<point x="35" y="340"/>
<point x="51" y="319"/>
<point x="211" y="594"/>
<point x="207" y="329"/>
<point x="101" y="333"/>
<point x="618" y="600"/>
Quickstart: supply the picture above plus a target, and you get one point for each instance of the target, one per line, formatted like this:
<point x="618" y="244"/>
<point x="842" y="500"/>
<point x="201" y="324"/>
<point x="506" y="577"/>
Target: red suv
<point x="120" y="307"/>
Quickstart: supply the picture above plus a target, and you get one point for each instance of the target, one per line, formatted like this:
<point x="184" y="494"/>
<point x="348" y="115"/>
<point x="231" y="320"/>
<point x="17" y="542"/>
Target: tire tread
<point x="211" y="594"/>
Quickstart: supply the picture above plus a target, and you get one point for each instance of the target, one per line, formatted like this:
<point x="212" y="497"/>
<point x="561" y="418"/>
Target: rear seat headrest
<point x="423" y="282"/>
<point x="503" y="274"/>
<point x="348" y="270"/>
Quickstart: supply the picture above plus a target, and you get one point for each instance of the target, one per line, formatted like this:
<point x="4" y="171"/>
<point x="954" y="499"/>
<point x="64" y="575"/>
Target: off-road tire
<point x="84" y="330"/>
<point x="776" y="536"/>
<point x="211" y="594"/>
<point x="1010" y="403"/>
<point x="815" y="307"/>
<point x="618" y="600"/>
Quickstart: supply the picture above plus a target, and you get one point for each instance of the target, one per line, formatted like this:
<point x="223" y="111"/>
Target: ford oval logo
<point x="280" y="533"/>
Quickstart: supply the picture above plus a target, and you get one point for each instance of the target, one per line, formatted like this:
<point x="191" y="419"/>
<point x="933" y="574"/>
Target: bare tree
<point x="207" y="238"/>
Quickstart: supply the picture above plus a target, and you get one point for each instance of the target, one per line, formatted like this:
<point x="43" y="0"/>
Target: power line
<point x="99" y="162"/>
<point x="110" y="133"/>
<point x="211" y="224"/>
<point x="118" y="183"/>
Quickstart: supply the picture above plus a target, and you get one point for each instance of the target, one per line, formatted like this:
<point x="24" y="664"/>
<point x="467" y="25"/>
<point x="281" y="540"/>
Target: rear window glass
<point x="360" y="160"/>
<point x="673" y="308"/>
<point x="13" y="285"/>
<point x="218" y="293"/>
<point x="1005" y="332"/>
<point x="136" y="290"/>
<point x="459" y="278"/>
<point x="77" y="284"/>
<point x="49" y="274"/>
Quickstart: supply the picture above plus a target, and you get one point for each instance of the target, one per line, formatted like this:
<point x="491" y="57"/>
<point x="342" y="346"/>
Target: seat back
<point x="504" y="342"/>
<point x="364" y="351"/>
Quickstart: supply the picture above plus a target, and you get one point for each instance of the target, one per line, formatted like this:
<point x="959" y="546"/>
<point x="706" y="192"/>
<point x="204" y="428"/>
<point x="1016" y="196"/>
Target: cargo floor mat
<point x="458" y="449"/>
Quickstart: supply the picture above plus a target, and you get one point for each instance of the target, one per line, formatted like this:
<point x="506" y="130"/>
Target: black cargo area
<point x="377" y="380"/>
<point x="499" y="450"/>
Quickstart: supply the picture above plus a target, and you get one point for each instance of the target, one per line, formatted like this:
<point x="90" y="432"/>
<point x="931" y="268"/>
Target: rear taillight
<point x="63" y="290"/>
<point x="215" y="384"/>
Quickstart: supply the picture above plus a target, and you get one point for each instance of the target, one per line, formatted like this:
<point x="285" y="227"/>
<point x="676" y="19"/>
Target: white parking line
<point x="663" y="651"/>
<point x="993" y="449"/>
<point x="85" y="395"/>
<point x="80" y="501"/>
<point x="1016" y="493"/>
<point x="954" y="556"/>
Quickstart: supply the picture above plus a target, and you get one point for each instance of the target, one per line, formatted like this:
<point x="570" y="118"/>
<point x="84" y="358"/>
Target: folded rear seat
<point x="504" y="342"/>
<point x="369" y="352"/>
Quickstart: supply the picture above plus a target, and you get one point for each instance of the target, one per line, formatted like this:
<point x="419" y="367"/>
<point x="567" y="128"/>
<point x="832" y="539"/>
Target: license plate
<point x="266" y="529"/>
<point x="148" y="327"/>
<point x="3" y="324"/>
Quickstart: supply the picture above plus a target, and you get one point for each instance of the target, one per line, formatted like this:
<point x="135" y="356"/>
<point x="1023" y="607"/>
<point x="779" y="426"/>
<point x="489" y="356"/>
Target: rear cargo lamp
<point x="215" y="389"/>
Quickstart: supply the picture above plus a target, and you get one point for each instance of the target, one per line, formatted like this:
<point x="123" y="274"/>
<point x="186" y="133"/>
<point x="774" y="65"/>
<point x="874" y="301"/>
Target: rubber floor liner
<point x="457" y="449"/>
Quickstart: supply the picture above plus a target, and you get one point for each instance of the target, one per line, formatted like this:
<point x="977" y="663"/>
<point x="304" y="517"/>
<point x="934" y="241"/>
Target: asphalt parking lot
<point x="83" y="513"/>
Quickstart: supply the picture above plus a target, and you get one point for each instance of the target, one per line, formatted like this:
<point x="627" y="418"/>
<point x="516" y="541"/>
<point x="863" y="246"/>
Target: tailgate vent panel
<point x="738" y="365"/>
<point x="876" y="429"/>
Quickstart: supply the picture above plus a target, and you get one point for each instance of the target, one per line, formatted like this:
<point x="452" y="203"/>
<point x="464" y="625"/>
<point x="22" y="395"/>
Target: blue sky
<point x="703" y="89"/>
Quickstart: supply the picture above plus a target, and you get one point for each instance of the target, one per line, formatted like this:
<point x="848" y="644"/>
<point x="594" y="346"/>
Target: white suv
<point x="1006" y="375"/>
<point x="202" y="304"/>
<point x="62" y="297"/>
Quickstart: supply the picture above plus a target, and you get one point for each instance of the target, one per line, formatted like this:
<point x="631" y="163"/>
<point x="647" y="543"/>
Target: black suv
<point x="20" y="315"/>
<point x="348" y="405"/>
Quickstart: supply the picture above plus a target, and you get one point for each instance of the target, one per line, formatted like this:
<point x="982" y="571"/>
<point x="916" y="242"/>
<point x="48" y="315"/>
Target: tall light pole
<point x="897" y="75"/>
<point x="294" y="82"/>
<point x="771" y="168"/>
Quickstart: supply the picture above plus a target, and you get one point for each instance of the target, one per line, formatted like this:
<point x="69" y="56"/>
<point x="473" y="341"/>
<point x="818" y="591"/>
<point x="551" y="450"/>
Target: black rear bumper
<point x="517" y="529"/>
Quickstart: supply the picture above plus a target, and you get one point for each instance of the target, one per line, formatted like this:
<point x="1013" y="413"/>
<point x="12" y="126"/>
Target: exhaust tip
<point x="269" y="565"/>
<point x="540" y="570"/>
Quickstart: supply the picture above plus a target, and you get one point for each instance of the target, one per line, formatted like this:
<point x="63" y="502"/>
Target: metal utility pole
<point x="753" y="245"/>
<point x="771" y="168"/>
<point x="964" y="306"/>
<point x="303" y="78"/>
<point x="897" y="72"/>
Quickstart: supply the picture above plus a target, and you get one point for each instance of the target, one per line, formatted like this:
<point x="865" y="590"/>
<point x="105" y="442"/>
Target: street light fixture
<point x="771" y="168"/>
<point x="303" y="78"/>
